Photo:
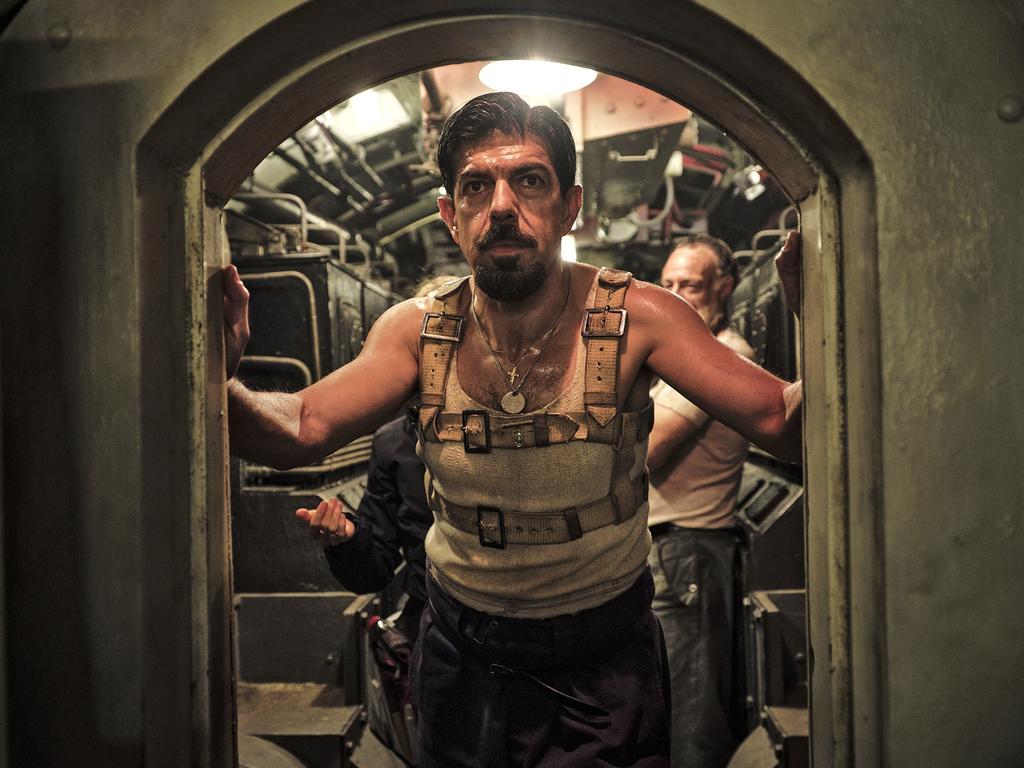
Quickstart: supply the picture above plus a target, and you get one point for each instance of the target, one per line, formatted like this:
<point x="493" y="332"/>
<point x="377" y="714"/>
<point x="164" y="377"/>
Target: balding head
<point x="701" y="270"/>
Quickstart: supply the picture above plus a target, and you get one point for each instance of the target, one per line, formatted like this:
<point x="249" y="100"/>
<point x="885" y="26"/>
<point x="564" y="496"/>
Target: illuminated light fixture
<point x="326" y="119"/>
<point x="367" y="114"/>
<point x="752" y="182"/>
<point x="366" y="103"/>
<point x="568" y="248"/>
<point x="535" y="78"/>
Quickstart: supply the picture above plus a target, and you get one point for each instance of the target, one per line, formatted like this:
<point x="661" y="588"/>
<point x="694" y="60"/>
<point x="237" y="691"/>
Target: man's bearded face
<point x="504" y="278"/>
<point x="508" y="214"/>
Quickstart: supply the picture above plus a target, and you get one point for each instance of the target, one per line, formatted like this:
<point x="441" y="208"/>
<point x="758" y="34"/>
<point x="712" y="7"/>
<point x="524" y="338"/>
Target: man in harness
<point x="539" y="646"/>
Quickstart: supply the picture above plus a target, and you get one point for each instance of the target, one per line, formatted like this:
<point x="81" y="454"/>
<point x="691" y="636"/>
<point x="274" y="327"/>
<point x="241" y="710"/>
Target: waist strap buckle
<point x="476" y="431"/>
<point x="490" y="523"/>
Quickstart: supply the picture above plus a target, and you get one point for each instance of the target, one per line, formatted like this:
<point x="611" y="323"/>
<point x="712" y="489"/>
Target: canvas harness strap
<point x="441" y="331"/>
<point x="500" y="527"/>
<point x="481" y="431"/>
<point x="603" y="327"/>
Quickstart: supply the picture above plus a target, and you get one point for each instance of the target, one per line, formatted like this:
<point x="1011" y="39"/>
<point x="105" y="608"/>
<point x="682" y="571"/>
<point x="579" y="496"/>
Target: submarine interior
<point x="162" y="607"/>
<point x="338" y="223"/>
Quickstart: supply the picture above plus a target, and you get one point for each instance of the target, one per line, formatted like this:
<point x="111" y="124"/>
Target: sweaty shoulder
<point x="650" y="301"/>
<point x="655" y="311"/>
<point x="403" y="322"/>
<point x="400" y="324"/>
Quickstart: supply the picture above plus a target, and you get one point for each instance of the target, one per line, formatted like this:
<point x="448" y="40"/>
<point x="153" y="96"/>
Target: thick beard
<point x="506" y="281"/>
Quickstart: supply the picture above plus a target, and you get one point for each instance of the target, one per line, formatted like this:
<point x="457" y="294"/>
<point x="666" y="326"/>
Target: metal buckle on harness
<point x="484" y="447"/>
<point x="490" y="523"/>
<point x="601" y="331"/>
<point x="455" y="336"/>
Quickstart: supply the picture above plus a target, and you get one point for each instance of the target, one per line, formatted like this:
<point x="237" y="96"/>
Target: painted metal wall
<point x="923" y="85"/>
<point x="92" y="493"/>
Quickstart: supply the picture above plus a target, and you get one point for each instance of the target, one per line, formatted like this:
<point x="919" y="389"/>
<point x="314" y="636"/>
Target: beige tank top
<point x="533" y="580"/>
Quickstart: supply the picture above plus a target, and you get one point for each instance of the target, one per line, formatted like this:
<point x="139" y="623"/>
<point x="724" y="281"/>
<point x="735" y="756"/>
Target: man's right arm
<point x="284" y="430"/>
<point x="264" y="427"/>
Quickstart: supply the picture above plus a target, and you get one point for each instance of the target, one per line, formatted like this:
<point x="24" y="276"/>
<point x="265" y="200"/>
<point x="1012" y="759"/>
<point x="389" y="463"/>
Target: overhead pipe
<point x="310" y="158"/>
<point x="324" y="184"/>
<point x="433" y="92"/>
<point x="293" y="199"/>
<point x="409" y="158"/>
<point x="356" y="152"/>
<point x="342" y="235"/>
<point x="311" y="161"/>
<point x="670" y="200"/>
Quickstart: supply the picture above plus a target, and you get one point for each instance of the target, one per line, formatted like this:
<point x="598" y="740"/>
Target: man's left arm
<point x="727" y="386"/>
<point x="720" y="381"/>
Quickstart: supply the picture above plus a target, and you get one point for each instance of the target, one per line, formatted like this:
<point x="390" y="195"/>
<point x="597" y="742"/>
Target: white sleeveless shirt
<point x="533" y="580"/>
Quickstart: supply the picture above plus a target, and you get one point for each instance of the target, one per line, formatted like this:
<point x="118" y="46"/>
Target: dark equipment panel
<point x="300" y="674"/>
<point x="626" y="170"/>
<point x="776" y="650"/>
<point x="307" y="722"/>
<point x="375" y="302"/>
<point x="292" y="638"/>
<point x="272" y="550"/>
<point x="789" y="728"/>
<point x="299" y="640"/>
<point x="770" y="514"/>
<point x="759" y="313"/>
<point x="769" y="510"/>
<point x="780" y="742"/>
<point x="308" y="316"/>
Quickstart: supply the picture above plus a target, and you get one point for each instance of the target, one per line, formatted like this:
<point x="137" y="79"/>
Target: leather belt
<point x="510" y="431"/>
<point x="480" y="433"/>
<point x="498" y="528"/>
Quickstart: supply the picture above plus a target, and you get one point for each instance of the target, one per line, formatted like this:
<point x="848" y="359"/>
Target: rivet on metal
<point x="58" y="35"/>
<point x="1010" y="108"/>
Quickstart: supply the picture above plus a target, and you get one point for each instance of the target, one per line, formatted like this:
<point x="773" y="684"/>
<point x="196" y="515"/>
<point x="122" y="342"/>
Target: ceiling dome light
<point x="535" y="78"/>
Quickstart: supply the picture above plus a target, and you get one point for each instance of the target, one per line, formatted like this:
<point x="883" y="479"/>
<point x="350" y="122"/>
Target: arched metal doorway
<point x="211" y="137"/>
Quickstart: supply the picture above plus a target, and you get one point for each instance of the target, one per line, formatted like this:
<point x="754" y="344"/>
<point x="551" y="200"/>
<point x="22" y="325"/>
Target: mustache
<point x="507" y="232"/>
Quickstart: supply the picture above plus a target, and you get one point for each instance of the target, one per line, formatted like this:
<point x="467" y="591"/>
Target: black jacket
<point x="393" y="518"/>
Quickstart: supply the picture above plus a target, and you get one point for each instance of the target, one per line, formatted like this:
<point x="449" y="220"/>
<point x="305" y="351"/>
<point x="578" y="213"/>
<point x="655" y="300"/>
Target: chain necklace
<point x="512" y="401"/>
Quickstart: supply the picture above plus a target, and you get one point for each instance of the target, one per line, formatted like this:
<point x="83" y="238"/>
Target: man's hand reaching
<point x="789" y="264"/>
<point x="328" y="520"/>
<point x="236" y="319"/>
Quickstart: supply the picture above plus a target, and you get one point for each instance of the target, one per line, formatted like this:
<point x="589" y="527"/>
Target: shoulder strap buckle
<point x="442" y="327"/>
<point x="604" y="323"/>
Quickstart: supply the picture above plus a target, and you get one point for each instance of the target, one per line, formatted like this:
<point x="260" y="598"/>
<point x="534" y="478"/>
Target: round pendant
<point x="513" y="402"/>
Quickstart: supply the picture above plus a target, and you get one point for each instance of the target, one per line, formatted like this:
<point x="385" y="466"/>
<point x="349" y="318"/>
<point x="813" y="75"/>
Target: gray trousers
<point x="696" y="600"/>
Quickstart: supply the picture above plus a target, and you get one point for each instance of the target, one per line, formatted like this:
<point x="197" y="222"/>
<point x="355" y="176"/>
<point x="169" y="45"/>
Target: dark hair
<point x="506" y="112"/>
<point x="726" y="262"/>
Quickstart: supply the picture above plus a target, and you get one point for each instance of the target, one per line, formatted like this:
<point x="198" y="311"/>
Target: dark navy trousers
<point x="587" y="689"/>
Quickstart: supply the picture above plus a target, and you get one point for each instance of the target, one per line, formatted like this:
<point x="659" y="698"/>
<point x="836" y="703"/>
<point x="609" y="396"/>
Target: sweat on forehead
<point x="514" y="150"/>
<point x="506" y="114"/>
